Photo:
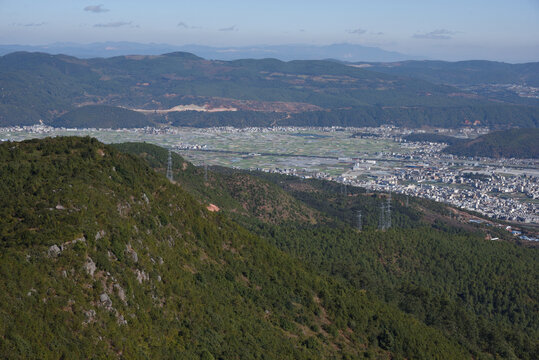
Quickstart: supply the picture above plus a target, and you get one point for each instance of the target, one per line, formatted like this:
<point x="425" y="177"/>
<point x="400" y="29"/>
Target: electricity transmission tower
<point x="205" y="172"/>
<point x="169" y="166"/>
<point x="385" y="214"/>
<point x="359" y="224"/>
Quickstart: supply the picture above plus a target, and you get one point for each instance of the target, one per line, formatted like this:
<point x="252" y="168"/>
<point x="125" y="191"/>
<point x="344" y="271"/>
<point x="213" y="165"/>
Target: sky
<point x="503" y="30"/>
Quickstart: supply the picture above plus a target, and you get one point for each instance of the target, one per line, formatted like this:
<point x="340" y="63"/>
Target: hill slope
<point x="512" y="83"/>
<point x="435" y="138"/>
<point x="464" y="72"/>
<point x="101" y="116"/>
<point x="517" y="143"/>
<point x="104" y="258"/>
<point x="41" y="86"/>
<point x="432" y="264"/>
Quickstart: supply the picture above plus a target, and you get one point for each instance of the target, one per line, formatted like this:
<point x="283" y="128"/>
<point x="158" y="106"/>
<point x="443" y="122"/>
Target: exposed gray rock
<point x="90" y="267"/>
<point x="105" y="300"/>
<point x="60" y="207"/>
<point x="121" y="320"/>
<point x="145" y="198"/>
<point x="121" y="292"/>
<point x="54" y="251"/>
<point x="90" y="313"/>
<point x="141" y="276"/>
<point x="100" y="234"/>
<point x="90" y="316"/>
<point x="131" y="252"/>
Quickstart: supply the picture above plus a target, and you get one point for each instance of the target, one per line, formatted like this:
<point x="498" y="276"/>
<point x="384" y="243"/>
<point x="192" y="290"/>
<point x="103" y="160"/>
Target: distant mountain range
<point x="182" y="89"/>
<point x="341" y="52"/>
<point x="460" y="73"/>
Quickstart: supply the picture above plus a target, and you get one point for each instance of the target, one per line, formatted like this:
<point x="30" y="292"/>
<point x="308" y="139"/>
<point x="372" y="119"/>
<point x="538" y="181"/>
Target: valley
<point x="373" y="158"/>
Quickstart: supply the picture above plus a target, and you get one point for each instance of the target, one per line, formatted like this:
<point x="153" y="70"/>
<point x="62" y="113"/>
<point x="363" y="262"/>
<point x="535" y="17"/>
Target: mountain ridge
<point x="350" y="52"/>
<point x="40" y="86"/>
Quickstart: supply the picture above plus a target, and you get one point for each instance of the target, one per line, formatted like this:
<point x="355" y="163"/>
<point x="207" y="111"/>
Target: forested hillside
<point x="101" y="116"/>
<point x="431" y="264"/>
<point x="102" y="257"/>
<point x="38" y="86"/>
<point x="464" y="72"/>
<point x="435" y="138"/>
<point x="514" y="143"/>
<point x="512" y="83"/>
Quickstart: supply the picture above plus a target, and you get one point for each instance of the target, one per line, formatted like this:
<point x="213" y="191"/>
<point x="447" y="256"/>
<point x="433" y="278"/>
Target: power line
<point x="385" y="214"/>
<point x="381" y="222"/>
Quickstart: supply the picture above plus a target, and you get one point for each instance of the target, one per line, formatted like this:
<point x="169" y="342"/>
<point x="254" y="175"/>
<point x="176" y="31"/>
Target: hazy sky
<point x="505" y="30"/>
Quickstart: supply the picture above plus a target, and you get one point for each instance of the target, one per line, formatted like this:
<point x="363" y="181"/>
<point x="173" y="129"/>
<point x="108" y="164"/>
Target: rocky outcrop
<point x="89" y="266"/>
<point x="132" y="253"/>
<point x="54" y="251"/>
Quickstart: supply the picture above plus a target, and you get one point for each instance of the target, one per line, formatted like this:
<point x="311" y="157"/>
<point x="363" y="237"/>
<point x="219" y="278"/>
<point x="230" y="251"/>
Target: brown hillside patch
<point x="191" y="269"/>
<point x="301" y="186"/>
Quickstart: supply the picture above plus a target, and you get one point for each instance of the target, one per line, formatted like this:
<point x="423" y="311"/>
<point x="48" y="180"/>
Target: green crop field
<point x="311" y="150"/>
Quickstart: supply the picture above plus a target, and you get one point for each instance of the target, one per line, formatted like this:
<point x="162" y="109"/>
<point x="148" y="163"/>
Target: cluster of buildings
<point x="478" y="198"/>
<point x="183" y="146"/>
<point x="506" y="189"/>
